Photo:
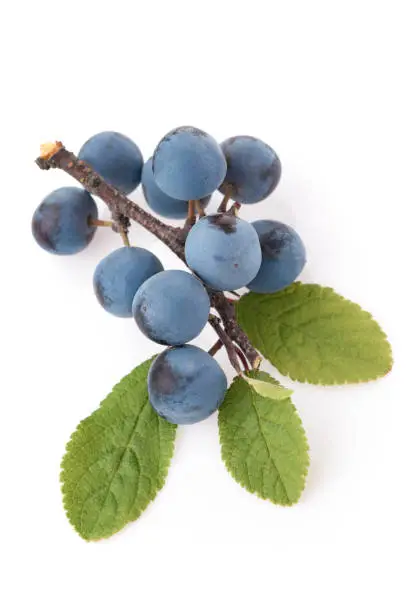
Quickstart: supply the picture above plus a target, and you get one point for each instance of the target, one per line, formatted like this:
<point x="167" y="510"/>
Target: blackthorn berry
<point x="61" y="223"/>
<point x="253" y="169"/>
<point x="186" y="384"/>
<point x="283" y="256"/>
<point x="159" y="201"/>
<point x="188" y="164"/>
<point x="172" y="307"/>
<point x="116" y="158"/>
<point x="224" y="251"/>
<point x="119" y="275"/>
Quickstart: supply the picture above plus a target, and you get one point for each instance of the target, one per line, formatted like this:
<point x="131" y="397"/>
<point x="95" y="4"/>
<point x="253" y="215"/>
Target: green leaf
<point x="117" y="460"/>
<point x="268" y="389"/>
<point x="263" y="443"/>
<point x="314" y="335"/>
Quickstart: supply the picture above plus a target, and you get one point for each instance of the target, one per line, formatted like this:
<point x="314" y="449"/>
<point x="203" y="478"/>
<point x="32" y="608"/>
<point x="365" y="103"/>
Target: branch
<point x="117" y="202"/>
<point x="55" y="155"/>
<point x="226" y="311"/>
<point x="227" y="342"/>
<point x="243" y="359"/>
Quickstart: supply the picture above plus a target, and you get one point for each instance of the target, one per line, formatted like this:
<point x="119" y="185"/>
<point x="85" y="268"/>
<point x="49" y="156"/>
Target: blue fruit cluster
<point x="253" y="169"/>
<point x="186" y="385"/>
<point x="62" y="222"/>
<point x="118" y="277"/>
<point x="224" y="251"/>
<point x="172" y="307"/>
<point x="159" y="201"/>
<point x="116" y="158"/>
<point x="188" y="164"/>
<point x="283" y="256"/>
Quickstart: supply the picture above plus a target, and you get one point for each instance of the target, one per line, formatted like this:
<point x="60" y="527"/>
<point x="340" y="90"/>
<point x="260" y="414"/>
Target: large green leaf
<point x="117" y="460"/>
<point x="312" y="334"/>
<point x="263" y="443"/>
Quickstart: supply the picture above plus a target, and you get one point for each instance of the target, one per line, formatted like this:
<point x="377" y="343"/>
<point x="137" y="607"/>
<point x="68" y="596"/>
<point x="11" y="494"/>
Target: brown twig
<point x="243" y="358"/>
<point x="226" y="311"/>
<point x="226" y="341"/>
<point x="117" y="202"/>
<point x="55" y="155"/>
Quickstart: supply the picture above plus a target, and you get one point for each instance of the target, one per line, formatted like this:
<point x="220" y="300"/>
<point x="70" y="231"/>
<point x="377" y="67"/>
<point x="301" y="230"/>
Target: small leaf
<point x="269" y="389"/>
<point x="117" y="460"/>
<point x="314" y="335"/>
<point x="263" y="443"/>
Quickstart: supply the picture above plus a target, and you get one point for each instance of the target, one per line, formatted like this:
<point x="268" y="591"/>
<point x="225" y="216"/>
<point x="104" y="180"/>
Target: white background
<point x="323" y="83"/>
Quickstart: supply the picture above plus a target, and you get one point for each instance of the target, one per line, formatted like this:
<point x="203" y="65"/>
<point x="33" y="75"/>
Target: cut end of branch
<point x="48" y="149"/>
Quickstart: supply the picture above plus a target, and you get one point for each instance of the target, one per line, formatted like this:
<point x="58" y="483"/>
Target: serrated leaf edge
<point x="166" y="460"/>
<point x="253" y="491"/>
